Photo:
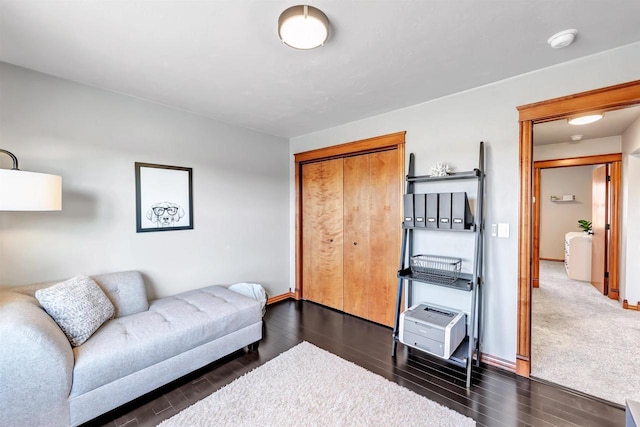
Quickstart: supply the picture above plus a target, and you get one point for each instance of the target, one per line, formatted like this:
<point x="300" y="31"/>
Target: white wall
<point x="630" y="253"/>
<point x="587" y="147"/>
<point x="92" y="138"/>
<point x="449" y="129"/>
<point x="559" y="218"/>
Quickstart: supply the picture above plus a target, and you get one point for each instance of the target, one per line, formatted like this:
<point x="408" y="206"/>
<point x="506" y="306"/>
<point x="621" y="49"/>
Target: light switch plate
<point x="494" y="230"/>
<point x="503" y="231"/>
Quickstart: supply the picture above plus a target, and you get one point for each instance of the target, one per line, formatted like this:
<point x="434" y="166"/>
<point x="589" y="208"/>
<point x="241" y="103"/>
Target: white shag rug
<point x="583" y="340"/>
<point x="308" y="386"/>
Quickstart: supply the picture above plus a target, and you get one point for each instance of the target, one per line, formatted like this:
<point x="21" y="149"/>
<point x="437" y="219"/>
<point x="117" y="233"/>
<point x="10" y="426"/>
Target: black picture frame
<point x="164" y="198"/>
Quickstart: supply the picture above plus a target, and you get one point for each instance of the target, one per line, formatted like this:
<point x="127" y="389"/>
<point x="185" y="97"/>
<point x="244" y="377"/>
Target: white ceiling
<point x="222" y="58"/>
<point x="613" y="123"/>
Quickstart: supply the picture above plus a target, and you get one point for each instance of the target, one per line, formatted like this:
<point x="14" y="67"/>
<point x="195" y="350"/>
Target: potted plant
<point x="585" y="226"/>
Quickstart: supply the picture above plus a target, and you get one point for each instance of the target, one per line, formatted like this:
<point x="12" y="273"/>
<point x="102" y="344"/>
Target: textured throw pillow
<point x="78" y="306"/>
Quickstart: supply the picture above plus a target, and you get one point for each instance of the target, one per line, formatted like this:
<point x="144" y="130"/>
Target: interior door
<point x="599" y="221"/>
<point x="371" y="238"/>
<point x="357" y="251"/>
<point x="385" y="237"/>
<point x="322" y="232"/>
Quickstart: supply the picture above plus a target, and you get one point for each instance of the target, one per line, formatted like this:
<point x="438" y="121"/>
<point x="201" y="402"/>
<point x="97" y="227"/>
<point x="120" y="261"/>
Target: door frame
<point x="605" y="99"/>
<point x="613" y="243"/>
<point x="393" y="141"/>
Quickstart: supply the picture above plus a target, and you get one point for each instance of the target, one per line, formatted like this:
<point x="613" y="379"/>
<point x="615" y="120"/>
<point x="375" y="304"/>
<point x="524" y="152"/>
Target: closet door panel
<point x="356" y="235"/>
<point x="384" y="237"/>
<point x="322" y="216"/>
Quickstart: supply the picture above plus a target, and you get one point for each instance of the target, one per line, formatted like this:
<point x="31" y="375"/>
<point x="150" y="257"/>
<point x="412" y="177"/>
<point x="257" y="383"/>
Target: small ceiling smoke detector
<point x="562" y="39"/>
<point x="576" y="138"/>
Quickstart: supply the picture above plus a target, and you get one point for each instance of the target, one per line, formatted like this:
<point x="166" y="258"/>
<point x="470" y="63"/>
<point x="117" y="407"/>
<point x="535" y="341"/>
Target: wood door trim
<point x="390" y="141"/>
<point x="614" y="233"/>
<point x="523" y="348"/>
<point x="578" y="161"/>
<point x="604" y="99"/>
<point x="535" y="250"/>
<point x="363" y="146"/>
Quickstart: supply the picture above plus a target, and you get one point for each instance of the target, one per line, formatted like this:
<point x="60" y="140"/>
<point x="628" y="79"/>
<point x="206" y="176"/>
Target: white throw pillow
<point x="78" y="306"/>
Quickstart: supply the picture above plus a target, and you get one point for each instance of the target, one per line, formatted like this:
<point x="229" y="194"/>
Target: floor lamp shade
<point x="29" y="191"/>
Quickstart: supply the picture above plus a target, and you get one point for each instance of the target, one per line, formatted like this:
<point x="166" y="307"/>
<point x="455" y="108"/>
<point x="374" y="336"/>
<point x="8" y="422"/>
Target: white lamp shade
<point x="29" y="191"/>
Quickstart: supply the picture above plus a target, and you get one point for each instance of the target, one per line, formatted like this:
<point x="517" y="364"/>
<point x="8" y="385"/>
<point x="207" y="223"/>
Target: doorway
<point x="606" y="99"/>
<point x="603" y="213"/>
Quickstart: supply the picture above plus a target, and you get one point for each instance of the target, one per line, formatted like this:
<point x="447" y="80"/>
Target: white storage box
<point x="577" y="256"/>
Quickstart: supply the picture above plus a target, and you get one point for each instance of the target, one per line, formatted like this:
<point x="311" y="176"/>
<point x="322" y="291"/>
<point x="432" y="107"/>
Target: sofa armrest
<point x="36" y="364"/>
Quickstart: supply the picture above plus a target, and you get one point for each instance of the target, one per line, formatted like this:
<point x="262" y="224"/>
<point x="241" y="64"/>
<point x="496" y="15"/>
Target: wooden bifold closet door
<point x="322" y="259"/>
<point x="350" y="223"/>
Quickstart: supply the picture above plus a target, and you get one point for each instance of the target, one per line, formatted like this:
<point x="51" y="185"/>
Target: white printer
<point x="433" y="329"/>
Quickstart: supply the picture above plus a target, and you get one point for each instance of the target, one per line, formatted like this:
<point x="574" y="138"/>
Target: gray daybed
<point x="46" y="381"/>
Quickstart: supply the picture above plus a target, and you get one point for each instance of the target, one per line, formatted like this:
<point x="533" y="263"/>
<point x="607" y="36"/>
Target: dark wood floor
<point x="497" y="397"/>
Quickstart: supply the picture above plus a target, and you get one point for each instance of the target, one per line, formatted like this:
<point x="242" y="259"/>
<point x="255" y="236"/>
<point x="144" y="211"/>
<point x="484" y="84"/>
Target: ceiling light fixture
<point x="576" y="138"/>
<point x="585" y="120"/>
<point x="562" y="39"/>
<point x="303" y="27"/>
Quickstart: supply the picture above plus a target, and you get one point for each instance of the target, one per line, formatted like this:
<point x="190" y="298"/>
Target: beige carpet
<point x="307" y="386"/>
<point x="583" y="340"/>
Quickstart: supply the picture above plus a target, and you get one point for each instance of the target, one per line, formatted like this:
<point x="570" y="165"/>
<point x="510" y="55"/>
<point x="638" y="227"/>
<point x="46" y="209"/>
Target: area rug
<point x="308" y="386"/>
<point x="583" y="340"/>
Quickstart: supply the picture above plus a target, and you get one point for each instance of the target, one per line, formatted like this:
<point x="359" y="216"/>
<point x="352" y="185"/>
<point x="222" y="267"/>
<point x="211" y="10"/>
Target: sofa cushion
<point x="78" y="306"/>
<point x="170" y="327"/>
<point x="126" y="290"/>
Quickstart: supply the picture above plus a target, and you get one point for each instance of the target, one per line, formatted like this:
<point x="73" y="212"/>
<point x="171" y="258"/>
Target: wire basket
<point x="435" y="268"/>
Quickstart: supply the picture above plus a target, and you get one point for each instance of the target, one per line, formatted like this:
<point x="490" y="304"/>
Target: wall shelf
<point x="469" y="284"/>
<point x="567" y="198"/>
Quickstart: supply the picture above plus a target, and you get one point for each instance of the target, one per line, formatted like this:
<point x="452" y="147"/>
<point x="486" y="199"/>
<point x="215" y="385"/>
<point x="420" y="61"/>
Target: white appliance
<point x="433" y="329"/>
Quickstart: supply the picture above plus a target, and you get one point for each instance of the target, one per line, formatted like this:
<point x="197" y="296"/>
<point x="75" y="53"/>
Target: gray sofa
<point x="46" y="381"/>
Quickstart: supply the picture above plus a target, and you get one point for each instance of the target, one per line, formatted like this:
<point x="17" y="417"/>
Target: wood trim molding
<point x="604" y="99"/>
<point x="278" y="298"/>
<point x="498" y="362"/>
<point x="551" y="259"/>
<point x="615" y="172"/>
<point x="523" y="349"/>
<point x="391" y="140"/>
<point x="535" y="250"/>
<point x="578" y="161"/>
<point x="298" y="237"/>
<point x="523" y="366"/>
<point x="625" y="305"/>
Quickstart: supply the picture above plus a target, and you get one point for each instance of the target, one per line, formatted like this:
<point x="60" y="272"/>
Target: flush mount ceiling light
<point x="562" y="39"/>
<point x="576" y="138"/>
<point x="303" y="27"/>
<point x="585" y="120"/>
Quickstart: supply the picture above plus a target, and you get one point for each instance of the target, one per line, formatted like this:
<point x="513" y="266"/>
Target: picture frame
<point x="164" y="197"/>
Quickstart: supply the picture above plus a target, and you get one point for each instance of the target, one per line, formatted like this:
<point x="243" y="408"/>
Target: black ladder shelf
<point x="470" y="283"/>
